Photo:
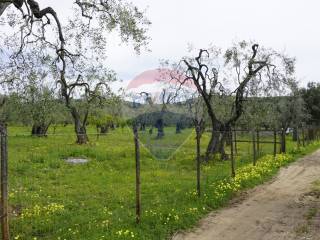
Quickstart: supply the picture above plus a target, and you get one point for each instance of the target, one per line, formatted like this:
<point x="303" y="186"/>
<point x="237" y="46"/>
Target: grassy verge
<point x="50" y="199"/>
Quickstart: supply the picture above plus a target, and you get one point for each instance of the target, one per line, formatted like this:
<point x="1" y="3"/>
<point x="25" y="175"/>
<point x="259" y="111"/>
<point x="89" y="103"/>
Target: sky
<point x="285" y="25"/>
<point x="289" y="25"/>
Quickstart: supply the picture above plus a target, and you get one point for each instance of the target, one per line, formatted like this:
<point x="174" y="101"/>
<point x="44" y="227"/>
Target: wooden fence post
<point x="258" y="143"/>
<point x="4" y="183"/>
<point x="298" y="138"/>
<point x="138" y="179"/>
<point x="233" y="171"/>
<point x="274" y="143"/>
<point x="198" y="159"/>
<point x="283" y="141"/>
<point x="254" y="148"/>
<point x="235" y="142"/>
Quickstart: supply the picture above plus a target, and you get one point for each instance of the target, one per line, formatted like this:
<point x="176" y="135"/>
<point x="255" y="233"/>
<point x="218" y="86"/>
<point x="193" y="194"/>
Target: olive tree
<point x="108" y="115"/>
<point x="37" y="105"/>
<point x="311" y="96"/>
<point x="223" y="79"/>
<point x="77" y="46"/>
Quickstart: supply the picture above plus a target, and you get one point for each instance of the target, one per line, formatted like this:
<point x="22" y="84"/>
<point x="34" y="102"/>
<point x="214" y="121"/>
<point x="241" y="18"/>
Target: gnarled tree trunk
<point x="178" y="127"/>
<point x="81" y="132"/>
<point x="104" y="129"/>
<point x="39" y="129"/>
<point x="295" y="134"/>
<point x="79" y="127"/>
<point x="218" y="139"/>
<point x="216" y="144"/>
<point x="160" y="127"/>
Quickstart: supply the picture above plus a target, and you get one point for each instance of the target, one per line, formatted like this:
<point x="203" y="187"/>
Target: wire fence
<point x="53" y="188"/>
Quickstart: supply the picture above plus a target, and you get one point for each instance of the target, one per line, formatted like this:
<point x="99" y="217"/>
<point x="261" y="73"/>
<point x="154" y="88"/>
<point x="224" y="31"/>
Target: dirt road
<point x="286" y="208"/>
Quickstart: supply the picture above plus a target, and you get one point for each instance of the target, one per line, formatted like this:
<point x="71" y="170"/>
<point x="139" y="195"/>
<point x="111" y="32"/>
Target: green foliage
<point x="34" y="104"/>
<point x="274" y="112"/>
<point x="106" y="121"/>
<point x="311" y="96"/>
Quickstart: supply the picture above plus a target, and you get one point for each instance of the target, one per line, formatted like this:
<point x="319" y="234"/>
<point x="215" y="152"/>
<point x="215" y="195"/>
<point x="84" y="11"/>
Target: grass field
<point x="51" y="199"/>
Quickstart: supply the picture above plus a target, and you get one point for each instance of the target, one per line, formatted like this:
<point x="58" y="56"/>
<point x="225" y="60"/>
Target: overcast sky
<point x="291" y="25"/>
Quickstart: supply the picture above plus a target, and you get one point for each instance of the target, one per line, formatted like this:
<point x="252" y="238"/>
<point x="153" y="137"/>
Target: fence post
<point x="138" y="180"/>
<point x="4" y="182"/>
<point x="198" y="159"/>
<point x="235" y="142"/>
<point x="274" y="143"/>
<point x="303" y="138"/>
<point x="233" y="171"/>
<point x="298" y="138"/>
<point x="258" y="143"/>
<point x="283" y="141"/>
<point x="254" y="148"/>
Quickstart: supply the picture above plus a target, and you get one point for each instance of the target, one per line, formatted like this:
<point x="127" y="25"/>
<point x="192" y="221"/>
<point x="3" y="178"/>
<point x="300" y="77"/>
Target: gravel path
<point x="285" y="208"/>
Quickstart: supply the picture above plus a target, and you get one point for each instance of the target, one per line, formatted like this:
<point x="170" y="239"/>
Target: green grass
<point x="50" y="199"/>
